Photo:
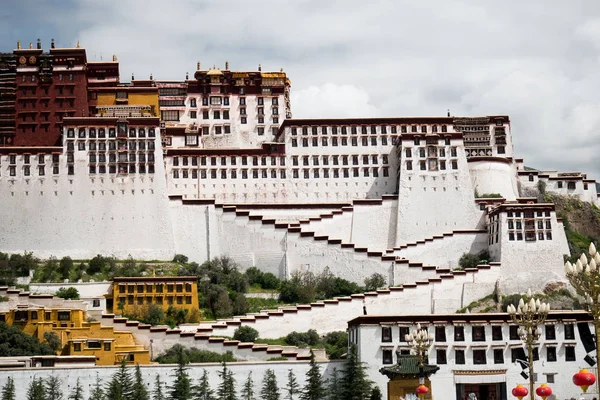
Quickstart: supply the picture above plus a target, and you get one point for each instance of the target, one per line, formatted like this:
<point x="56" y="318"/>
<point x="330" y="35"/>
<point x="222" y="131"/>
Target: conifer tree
<point x="36" y="391"/>
<point x="77" y="393"/>
<point x="292" y="387"/>
<point x="120" y="386"/>
<point x="158" y="389"/>
<point x="375" y="394"/>
<point x="335" y="388"/>
<point x="269" y="390"/>
<point x="203" y="390"/>
<point x="226" y="390"/>
<point x="97" y="392"/>
<point x="355" y="382"/>
<point x="52" y="389"/>
<point x="8" y="390"/>
<point x="248" y="389"/>
<point x="182" y="384"/>
<point x="314" y="388"/>
<point x="139" y="391"/>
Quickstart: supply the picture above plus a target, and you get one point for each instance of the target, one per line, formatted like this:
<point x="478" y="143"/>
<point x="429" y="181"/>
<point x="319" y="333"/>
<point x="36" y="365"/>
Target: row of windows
<point x="432" y="165"/>
<point x="367" y="129"/>
<point x="92" y="345"/>
<point x="100" y="133"/>
<point x="12" y="158"/>
<point x="33" y="78"/>
<point x="530" y="236"/>
<point x="155" y="300"/>
<point x="112" y="157"/>
<point x="112" y="145"/>
<point x="223" y="160"/>
<point x="527" y="214"/>
<point x="218" y="100"/>
<point x="336" y="160"/>
<point x="431" y="151"/>
<point x="273" y="174"/>
<point x="479" y="356"/>
<point x="478" y="333"/>
<point x="343" y="141"/>
<point x="159" y="288"/>
<point x="518" y="224"/>
<point x="121" y="169"/>
<point x="41" y="170"/>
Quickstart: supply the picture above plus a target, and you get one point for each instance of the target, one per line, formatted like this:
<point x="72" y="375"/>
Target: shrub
<point x="375" y="281"/>
<point x="180" y="259"/>
<point x="245" y="334"/>
<point x="269" y="281"/>
<point x="468" y="260"/>
<point x="192" y="355"/>
<point x="303" y="339"/>
<point x="52" y="339"/>
<point x="69" y="293"/>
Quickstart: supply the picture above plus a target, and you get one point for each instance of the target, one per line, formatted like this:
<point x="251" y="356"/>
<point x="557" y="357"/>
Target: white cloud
<point x="534" y="61"/>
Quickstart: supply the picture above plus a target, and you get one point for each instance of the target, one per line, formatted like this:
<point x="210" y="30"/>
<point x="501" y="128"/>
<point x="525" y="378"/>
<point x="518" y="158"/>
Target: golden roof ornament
<point x="259" y="67"/>
<point x="30" y="46"/>
<point x="114" y="57"/>
<point x="78" y="46"/>
<point x="198" y="67"/>
<point x="18" y="45"/>
<point x="226" y="65"/>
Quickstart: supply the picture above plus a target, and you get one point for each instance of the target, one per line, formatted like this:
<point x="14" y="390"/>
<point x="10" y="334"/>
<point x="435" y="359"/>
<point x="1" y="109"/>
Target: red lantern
<point x="520" y="391"/>
<point x="422" y="390"/>
<point x="584" y="379"/>
<point x="543" y="391"/>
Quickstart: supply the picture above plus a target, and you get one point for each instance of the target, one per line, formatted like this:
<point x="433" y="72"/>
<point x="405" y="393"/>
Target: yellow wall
<point x="135" y="295"/>
<point x="137" y="98"/>
<point x="398" y="388"/>
<point x="107" y="99"/>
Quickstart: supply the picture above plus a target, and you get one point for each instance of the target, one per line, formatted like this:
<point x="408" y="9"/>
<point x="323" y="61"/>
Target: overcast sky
<point x="536" y="60"/>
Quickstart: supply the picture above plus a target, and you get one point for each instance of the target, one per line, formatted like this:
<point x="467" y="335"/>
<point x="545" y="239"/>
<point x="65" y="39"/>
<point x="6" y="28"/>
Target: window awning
<point x="478" y="377"/>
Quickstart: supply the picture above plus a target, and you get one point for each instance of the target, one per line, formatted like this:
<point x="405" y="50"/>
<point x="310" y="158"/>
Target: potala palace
<point x="215" y="165"/>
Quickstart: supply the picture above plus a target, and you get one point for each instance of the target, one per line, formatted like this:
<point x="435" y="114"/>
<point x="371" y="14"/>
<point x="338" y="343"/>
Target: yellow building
<point x="138" y="97"/>
<point x="77" y="336"/>
<point x="130" y="294"/>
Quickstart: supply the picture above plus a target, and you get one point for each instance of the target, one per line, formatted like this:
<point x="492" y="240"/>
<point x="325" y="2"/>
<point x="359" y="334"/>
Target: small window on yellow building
<point x="159" y="300"/>
<point x="188" y="299"/>
<point x="179" y="288"/>
<point x="169" y="288"/>
<point x="170" y="299"/>
<point x="140" y="301"/>
<point x="48" y="316"/>
<point x="188" y="287"/>
<point x="179" y="300"/>
<point x="140" y="288"/>
<point x="148" y="288"/>
<point x="121" y="288"/>
<point x="130" y="300"/>
<point x="34" y="315"/>
<point x="106" y="346"/>
<point x="2" y="317"/>
<point x="94" y="344"/>
<point x="148" y="300"/>
<point x="64" y="315"/>
<point x="76" y="346"/>
<point x="131" y="357"/>
<point x="130" y="289"/>
<point x="159" y="288"/>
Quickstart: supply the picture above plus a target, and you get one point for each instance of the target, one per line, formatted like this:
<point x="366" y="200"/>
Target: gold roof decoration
<point x="239" y="75"/>
<point x="273" y="75"/>
<point x="214" y="71"/>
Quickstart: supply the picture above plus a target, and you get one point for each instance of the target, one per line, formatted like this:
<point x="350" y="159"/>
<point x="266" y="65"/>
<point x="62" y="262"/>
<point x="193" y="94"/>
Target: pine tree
<point x="114" y="391"/>
<point x="77" y="393"/>
<point x="53" y="391"/>
<point x="375" y="394"/>
<point x="158" y="389"/>
<point x="97" y="392"/>
<point x="335" y="388"/>
<point x="36" y="391"/>
<point x="226" y="390"/>
<point x="139" y="391"/>
<point x="269" y="390"/>
<point x="182" y="385"/>
<point x="355" y="382"/>
<point x="292" y="387"/>
<point x="314" y="388"/>
<point x="8" y="390"/>
<point x="248" y="389"/>
<point x="203" y="390"/>
<point x="120" y="386"/>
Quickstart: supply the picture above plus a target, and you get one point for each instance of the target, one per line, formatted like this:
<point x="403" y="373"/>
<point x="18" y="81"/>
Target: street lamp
<point x="420" y="341"/>
<point x="528" y="316"/>
<point x="584" y="276"/>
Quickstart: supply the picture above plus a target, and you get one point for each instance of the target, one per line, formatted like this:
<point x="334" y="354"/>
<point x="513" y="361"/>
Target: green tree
<point x="139" y="391"/>
<point x="182" y="384"/>
<point x="468" y="260"/>
<point x="314" y="389"/>
<point x="65" y="267"/>
<point x="375" y="394"/>
<point x="120" y="386"/>
<point x="192" y="355"/>
<point x="36" y="391"/>
<point x="292" y="388"/>
<point x="375" y="281"/>
<point x="97" y="392"/>
<point x="8" y="390"/>
<point x="97" y="264"/>
<point x="218" y="301"/>
<point x="248" y="389"/>
<point x="226" y="389"/>
<point x="77" y="393"/>
<point x="203" y="391"/>
<point x="356" y="384"/>
<point x="269" y="390"/>
<point x="158" y="389"/>
<point x="240" y="304"/>
<point x="52" y="389"/>
<point x="335" y="389"/>
<point x="14" y="342"/>
<point x="245" y="334"/>
<point x="69" y="293"/>
<point x="53" y="340"/>
<point x="180" y="259"/>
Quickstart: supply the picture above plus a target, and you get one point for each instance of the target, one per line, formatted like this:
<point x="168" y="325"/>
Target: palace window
<point x="441" y="356"/>
<point x="569" y="332"/>
<point x="387" y="357"/>
<point x="479" y="357"/>
<point x="459" y="356"/>
<point x="459" y="333"/>
<point x="551" y="354"/>
<point x="386" y="334"/>
<point x="496" y="332"/>
<point x="498" y="356"/>
<point x="478" y="333"/>
<point x="409" y="165"/>
<point x="440" y="333"/>
<point x="570" y="353"/>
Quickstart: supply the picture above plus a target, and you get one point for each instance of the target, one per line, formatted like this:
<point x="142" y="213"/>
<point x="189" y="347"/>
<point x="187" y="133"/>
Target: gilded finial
<point x="30" y="45"/>
<point x="226" y="65"/>
<point x="259" y="67"/>
<point x="154" y="272"/>
<point x="78" y="46"/>
<point x="198" y="67"/>
<point x="18" y="45"/>
<point x="114" y="57"/>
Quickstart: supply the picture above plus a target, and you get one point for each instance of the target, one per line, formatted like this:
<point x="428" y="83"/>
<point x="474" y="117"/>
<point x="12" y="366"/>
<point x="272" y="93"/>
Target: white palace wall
<point x="494" y="177"/>
<point x="374" y="224"/>
<point x="87" y="375"/>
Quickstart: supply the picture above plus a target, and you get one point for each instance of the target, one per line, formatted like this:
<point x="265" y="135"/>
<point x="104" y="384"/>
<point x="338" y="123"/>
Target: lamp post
<point x="584" y="276"/>
<point x="420" y="341"/>
<point x="528" y="316"/>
